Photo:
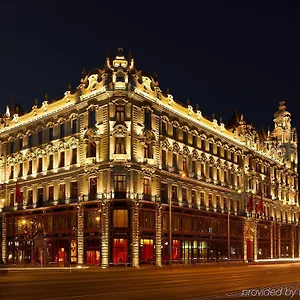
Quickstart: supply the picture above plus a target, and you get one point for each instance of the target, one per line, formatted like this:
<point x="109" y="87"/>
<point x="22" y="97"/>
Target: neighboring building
<point x="91" y="178"/>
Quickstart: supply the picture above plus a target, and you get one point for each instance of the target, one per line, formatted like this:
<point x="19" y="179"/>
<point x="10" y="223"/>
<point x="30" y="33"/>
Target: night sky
<point x="222" y="55"/>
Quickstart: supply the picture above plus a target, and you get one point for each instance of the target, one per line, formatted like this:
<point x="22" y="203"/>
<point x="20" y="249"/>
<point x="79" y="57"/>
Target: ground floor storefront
<point x="127" y="234"/>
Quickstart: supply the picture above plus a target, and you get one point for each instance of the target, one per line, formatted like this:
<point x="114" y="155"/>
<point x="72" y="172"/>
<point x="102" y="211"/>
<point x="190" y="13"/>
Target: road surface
<point x="182" y="283"/>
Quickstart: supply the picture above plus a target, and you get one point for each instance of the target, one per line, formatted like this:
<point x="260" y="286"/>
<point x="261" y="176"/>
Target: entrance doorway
<point x="120" y="251"/>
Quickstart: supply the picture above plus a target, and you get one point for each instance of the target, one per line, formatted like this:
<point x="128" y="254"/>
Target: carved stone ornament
<point x="91" y="169"/>
<point x="148" y="171"/>
<point x="120" y="130"/>
<point x="148" y="137"/>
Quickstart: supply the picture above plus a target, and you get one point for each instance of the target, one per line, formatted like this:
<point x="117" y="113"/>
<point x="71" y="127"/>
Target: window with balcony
<point x="62" y="192"/>
<point x="164" y="193"/>
<point x="74" y="190"/>
<point x="120" y="186"/>
<point x="51" y="193"/>
<point x="29" y="197"/>
<point x="120" y="145"/>
<point x="174" y="193"/>
<point x="148" y="151"/>
<point x="146" y="188"/>
<point x="91" y="149"/>
<point x="93" y="188"/>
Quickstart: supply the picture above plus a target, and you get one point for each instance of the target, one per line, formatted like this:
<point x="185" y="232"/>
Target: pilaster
<point x="135" y="234"/>
<point x="4" y="243"/>
<point x="80" y="234"/>
<point x="158" y="235"/>
<point x="105" y="230"/>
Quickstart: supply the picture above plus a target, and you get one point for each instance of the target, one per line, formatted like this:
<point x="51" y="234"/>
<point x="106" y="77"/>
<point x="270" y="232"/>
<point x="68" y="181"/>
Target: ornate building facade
<point x="116" y="172"/>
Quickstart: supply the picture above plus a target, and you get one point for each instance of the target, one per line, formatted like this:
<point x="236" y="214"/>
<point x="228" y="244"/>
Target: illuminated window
<point x="184" y="194"/>
<point x="174" y="193"/>
<point x="120" y="183"/>
<point x="184" y="164"/>
<point x="120" y="113"/>
<point x="120" y="218"/>
<point x="146" y="186"/>
<point x="202" y="199"/>
<point x="194" y="196"/>
<point x="91" y="149"/>
<point x="11" y="176"/>
<point x="120" y="145"/>
<point x="175" y="160"/>
<point x="210" y="200"/>
<point x="147" y="151"/>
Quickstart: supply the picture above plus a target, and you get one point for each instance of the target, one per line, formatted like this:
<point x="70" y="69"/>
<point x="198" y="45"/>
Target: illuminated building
<point x="101" y="168"/>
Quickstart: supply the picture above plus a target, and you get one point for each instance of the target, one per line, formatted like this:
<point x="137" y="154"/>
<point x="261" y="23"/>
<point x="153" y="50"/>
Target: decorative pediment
<point x="203" y="158"/>
<point x="211" y="161"/>
<point x="61" y="146"/>
<point x="195" y="154"/>
<point x="49" y="149"/>
<point x="165" y="144"/>
<point x="19" y="158"/>
<point x="90" y="134"/>
<point x="39" y="152"/>
<point x="185" y="151"/>
<point x="11" y="160"/>
<point x="91" y="169"/>
<point x="176" y="148"/>
<point x="30" y="155"/>
<point x="148" y="171"/>
<point x="73" y="142"/>
<point x="120" y="130"/>
<point x="148" y="137"/>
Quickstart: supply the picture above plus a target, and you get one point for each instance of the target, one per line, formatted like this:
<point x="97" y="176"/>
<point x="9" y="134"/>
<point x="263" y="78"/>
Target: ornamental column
<point x="272" y="240"/>
<point x="80" y="234"/>
<point x="105" y="235"/>
<point x="135" y="234"/>
<point x="158" y="235"/>
<point x="245" y="241"/>
<point x="4" y="243"/>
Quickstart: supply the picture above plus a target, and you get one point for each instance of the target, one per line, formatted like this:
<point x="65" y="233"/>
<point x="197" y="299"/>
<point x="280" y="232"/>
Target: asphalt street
<point x="278" y="281"/>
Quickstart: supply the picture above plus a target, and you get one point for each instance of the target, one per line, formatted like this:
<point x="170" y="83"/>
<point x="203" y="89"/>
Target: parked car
<point x="3" y="267"/>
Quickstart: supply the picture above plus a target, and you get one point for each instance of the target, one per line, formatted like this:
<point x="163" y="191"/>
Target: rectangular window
<point x="164" y="193"/>
<point x="218" y="202"/>
<point x="120" y="113"/>
<point x="164" y="128"/>
<point x="62" y="130"/>
<point x="40" y="137"/>
<point x="51" y="193"/>
<point x="91" y="149"/>
<point x="193" y="197"/>
<point x="62" y="159"/>
<point x="92" y="118"/>
<point x="184" y="164"/>
<point x="210" y="202"/>
<point x="120" y="183"/>
<point x="174" y="193"/>
<point x="74" y="190"/>
<point x="164" y="159"/>
<point x="146" y="186"/>
<point x="11" y="176"/>
<point x="50" y="133"/>
<point x="120" y="145"/>
<point x="184" y="194"/>
<point x="12" y="147"/>
<point x="40" y="164"/>
<point x="40" y="198"/>
<point x="202" y="200"/>
<point x="194" y="166"/>
<point x="50" y="166"/>
<point x="12" y="199"/>
<point x="225" y="203"/>
<point x="30" y="197"/>
<point x="120" y="218"/>
<point x="175" y="132"/>
<point x="74" y="156"/>
<point x="20" y="143"/>
<point x="147" y="119"/>
<point x="74" y="126"/>
<point x="30" y="141"/>
<point x="147" y="151"/>
<point x="29" y="168"/>
<point x="175" y="160"/>
<point x="21" y="170"/>
<point x="93" y="186"/>
<point x="62" y="192"/>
